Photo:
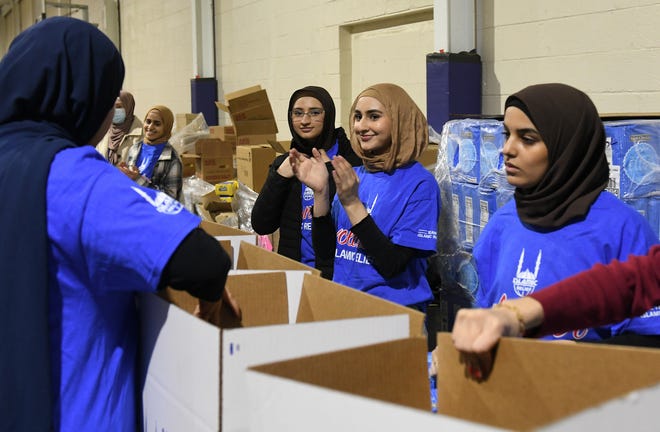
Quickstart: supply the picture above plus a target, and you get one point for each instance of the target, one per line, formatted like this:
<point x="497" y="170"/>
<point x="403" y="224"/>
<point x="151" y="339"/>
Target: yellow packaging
<point x="226" y="188"/>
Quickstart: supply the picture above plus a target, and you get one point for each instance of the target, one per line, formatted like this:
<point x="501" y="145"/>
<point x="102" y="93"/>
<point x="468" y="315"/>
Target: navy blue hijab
<point x="59" y="80"/>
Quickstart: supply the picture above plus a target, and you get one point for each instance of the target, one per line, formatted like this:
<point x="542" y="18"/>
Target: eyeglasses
<point x="314" y="114"/>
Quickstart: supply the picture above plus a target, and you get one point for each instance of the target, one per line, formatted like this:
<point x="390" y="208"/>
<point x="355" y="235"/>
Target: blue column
<point x="453" y="87"/>
<point x="204" y="93"/>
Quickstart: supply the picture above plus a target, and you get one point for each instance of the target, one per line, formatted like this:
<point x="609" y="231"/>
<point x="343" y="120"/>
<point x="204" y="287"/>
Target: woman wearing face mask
<point x="153" y="162"/>
<point x="126" y="130"/>
<point x="381" y="225"/>
<point x="285" y="203"/>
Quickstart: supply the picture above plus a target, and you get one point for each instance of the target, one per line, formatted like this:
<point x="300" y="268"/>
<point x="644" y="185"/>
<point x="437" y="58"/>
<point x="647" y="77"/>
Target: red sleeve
<point x="602" y="295"/>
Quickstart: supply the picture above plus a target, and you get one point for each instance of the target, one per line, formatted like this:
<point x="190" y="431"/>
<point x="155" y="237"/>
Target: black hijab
<point x="59" y="79"/>
<point x="572" y="130"/>
<point x="328" y="136"/>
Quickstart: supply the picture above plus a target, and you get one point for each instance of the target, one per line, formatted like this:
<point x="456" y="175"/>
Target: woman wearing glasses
<point x="284" y="202"/>
<point x="381" y="225"/>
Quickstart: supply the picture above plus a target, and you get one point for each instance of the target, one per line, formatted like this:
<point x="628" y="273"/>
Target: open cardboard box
<point x="250" y="111"/>
<point x="224" y="233"/>
<point x="194" y="372"/>
<point x="535" y="385"/>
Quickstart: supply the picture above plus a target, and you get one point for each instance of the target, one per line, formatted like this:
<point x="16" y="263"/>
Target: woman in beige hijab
<point x="125" y="131"/>
<point x="381" y="225"/>
<point x="153" y="162"/>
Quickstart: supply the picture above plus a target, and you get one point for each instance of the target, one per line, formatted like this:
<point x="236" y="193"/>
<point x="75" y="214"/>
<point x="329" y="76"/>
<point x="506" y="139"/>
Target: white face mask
<point x="120" y="116"/>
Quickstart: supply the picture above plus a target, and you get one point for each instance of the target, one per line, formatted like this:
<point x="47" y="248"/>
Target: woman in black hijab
<point x="562" y="220"/>
<point x="284" y="202"/>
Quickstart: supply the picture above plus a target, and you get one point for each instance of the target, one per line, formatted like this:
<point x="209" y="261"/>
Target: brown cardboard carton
<point x="222" y="132"/>
<point x="250" y="111"/>
<point x="252" y="163"/>
<point x="373" y="371"/>
<point x="213" y="147"/>
<point x="254" y="257"/>
<point x="244" y="140"/>
<point x="536" y="382"/>
<point x="183" y="119"/>
<point x="216" y="229"/>
<point x="188" y="164"/>
<point x="215" y="169"/>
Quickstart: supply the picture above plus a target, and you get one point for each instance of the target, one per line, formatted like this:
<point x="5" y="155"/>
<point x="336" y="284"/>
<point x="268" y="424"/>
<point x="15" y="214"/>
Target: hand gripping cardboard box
<point x="535" y="385"/>
<point x="193" y="372"/>
<point x="194" y="375"/>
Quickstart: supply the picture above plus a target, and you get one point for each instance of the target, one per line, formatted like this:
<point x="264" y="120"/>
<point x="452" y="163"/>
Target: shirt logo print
<point x="525" y="281"/>
<point x="373" y="204"/>
<point x="162" y="202"/>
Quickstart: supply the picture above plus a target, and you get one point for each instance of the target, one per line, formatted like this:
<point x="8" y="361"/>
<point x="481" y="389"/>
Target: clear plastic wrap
<point x="242" y="205"/>
<point x="193" y="189"/>
<point x="184" y="140"/>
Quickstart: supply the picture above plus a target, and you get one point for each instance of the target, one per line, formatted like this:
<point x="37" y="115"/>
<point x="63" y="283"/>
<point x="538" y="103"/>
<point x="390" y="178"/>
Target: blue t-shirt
<point x="108" y="238"/>
<point x="405" y="205"/>
<point x="514" y="260"/>
<point x="148" y="157"/>
<point x="307" y="197"/>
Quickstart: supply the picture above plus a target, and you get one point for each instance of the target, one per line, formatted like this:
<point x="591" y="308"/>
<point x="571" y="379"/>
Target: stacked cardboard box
<point x="253" y="128"/>
<point x="181" y="120"/>
<point x="216" y="160"/>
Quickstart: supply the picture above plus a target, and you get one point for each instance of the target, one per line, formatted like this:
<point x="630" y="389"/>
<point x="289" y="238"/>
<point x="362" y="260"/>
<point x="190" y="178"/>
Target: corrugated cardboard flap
<point x="262" y="298"/>
<point x="216" y="229"/>
<point x="536" y="382"/>
<point x="324" y="300"/>
<point x="373" y="371"/>
<point x="252" y="257"/>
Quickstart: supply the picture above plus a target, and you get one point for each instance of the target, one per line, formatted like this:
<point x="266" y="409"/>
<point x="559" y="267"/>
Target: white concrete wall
<point x="342" y="45"/>
<point x="608" y="48"/>
<point x="156" y="44"/>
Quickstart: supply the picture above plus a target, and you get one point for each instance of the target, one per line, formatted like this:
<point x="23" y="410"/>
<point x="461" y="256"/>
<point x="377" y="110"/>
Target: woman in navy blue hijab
<point x="68" y="273"/>
<point x="59" y="79"/>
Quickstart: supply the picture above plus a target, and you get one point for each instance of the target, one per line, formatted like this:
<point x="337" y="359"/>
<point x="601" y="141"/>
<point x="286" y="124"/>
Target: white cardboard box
<point x="535" y="385"/>
<point x="194" y="372"/>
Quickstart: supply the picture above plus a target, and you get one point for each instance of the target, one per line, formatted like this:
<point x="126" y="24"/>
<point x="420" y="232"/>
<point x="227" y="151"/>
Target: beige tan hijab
<point x="410" y="132"/>
<point x="168" y="123"/>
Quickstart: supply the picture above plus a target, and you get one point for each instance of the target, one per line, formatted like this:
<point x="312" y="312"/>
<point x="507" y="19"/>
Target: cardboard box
<point x="250" y="111"/>
<point x="246" y="140"/>
<point x="215" y="169"/>
<point x="213" y="147"/>
<point x="252" y="163"/>
<point x="213" y="159"/>
<point x="235" y="236"/>
<point x="188" y="164"/>
<point x="183" y="119"/>
<point x="535" y="385"/>
<point x="194" y="372"/>
<point x="227" y="218"/>
<point x="222" y="132"/>
<point x="429" y="156"/>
